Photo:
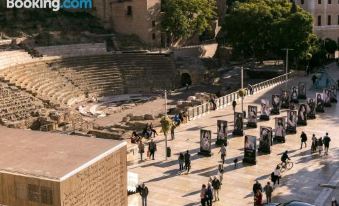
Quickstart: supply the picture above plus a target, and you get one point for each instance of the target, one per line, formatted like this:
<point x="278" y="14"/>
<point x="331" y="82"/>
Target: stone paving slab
<point x="301" y="182"/>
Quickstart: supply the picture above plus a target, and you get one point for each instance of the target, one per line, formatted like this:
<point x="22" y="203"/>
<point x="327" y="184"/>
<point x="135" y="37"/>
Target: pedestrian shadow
<point x="191" y="193"/>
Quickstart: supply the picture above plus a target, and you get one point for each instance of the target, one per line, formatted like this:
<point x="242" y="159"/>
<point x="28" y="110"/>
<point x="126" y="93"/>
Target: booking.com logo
<point x="55" y="5"/>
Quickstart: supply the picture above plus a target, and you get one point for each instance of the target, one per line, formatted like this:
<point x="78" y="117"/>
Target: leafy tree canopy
<point x="259" y="28"/>
<point x="184" y="18"/>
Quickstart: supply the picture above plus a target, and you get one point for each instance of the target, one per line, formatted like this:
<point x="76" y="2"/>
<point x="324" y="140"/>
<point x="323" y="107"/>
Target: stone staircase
<point x="115" y="74"/>
<point x="40" y="80"/>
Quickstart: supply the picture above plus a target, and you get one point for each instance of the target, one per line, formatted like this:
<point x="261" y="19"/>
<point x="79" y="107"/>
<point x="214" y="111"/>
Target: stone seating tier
<point x="16" y="105"/>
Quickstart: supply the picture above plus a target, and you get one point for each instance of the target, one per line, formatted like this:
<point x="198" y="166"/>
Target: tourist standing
<point x="303" y="138"/>
<point x="268" y="191"/>
<point x="141" y="148"/>
<point x="222" y="153"/>
<point x="187" y="158"/>
<point x="203" y="195"/>
<point x="172" y="131"/>
<point x="320" y="145"/>
<point x="152" y="147"/>
<point x="221" y="173"/>
<point x="326" y="142"/>
<point x="209" y="194"/>
<point x="258" y="198"/>
<point x="181" y="161"/>
<point x="314" y="144"/>
<point x="216" y="187"/>
<point x="143" y="191"/>
<point x="277" y="174"/>
<point x="256" y="186"/>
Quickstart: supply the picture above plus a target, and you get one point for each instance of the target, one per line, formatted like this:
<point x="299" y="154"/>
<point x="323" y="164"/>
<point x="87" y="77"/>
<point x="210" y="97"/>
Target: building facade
<point x="139" y="17"/>
<point x="325" y="17"/>
<point x="50" y="169"/>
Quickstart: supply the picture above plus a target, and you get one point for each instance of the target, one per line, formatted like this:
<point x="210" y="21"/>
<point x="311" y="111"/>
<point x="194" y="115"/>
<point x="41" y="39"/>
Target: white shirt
<point x="277" y="172"/>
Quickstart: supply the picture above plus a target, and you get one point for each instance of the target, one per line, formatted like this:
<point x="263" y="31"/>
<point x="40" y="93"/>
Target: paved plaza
<point x="169" y="188"/>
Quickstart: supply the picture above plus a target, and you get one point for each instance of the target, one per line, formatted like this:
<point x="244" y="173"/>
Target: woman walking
<point x="320" y="145"/>
<point x="181" y="160"/>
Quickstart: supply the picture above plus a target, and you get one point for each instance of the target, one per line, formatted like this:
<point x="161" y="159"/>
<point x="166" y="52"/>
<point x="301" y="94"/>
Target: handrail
<point x="221" y="102"/>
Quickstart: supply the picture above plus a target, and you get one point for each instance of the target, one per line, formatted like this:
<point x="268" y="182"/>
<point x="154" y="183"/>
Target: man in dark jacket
<point x="303" y="138"/>
<point x="257" y="186"/>
<point x="152" y="147"/>
<point x="326" y="141"/>
<point x="143" y="191"/>
<point x="216" y="187"/>
<point x="187" y="158"/>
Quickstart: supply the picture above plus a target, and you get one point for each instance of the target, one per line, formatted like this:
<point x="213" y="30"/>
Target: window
<point x="319" y="1"/>
<point x="329" y="1"/>
<point x="153" y="36"/>
<point x="153" y="23"/>
<point x="33" y="193"/>
<point x="329" y="20"/>
<point x="129" y="11"/>
<point x="302" y="1"/>
<point x="319" y="20"/>
<point x="46" y="195"/>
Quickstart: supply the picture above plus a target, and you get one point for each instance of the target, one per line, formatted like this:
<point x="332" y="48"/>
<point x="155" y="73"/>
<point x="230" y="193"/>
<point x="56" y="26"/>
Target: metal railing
<point x="221" y="102"/>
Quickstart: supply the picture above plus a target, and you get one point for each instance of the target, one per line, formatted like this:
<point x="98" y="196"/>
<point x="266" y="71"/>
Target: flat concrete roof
<point x="50" y="155"/>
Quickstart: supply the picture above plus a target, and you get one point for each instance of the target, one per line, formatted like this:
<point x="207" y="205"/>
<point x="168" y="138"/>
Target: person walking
<point x="187" y="158"/>
<point x="152" y="147"/>
<point x="143" y="191"/>
<point x="221" y="173"/>
<point x="273" y="178"/>
<point x="181" y="160"/>
<point x="334" y="202"/>
<point x="326" y="142"/>
<point x="234" y="104"/>
<point x="209" y="194"/>
<point x="256" y="186"/>
<point x="141" y="148"/>
<point x="277" y="174"/>
<point x="320" y="145"/>
<point x="303" y="138"/>
<point x="314" y="144"/>
<point x="268" y="191"/>
<point x="258" y="198"/>
<point x="216" y="187"/>
<point x="222" y="152"/>
<point x="203" y="195"/>
<point x="172" y="131"/>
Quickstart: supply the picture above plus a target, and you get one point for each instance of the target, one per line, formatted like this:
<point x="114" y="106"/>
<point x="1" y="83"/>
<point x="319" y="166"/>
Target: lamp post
<point x="242" y="89"/>
<point x="164" y="132"/>
<point x="286" y="66"/>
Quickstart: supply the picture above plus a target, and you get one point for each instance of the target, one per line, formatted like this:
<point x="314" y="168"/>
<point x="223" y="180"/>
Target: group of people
<point x="152" y="148"/>
<point x="184" y="162"/>
<point x="149" y="131"/>
<point x="318" y="144"/>
<point x="321" y="143"/>
<point x="258" y="190"/>
<point x="210" y="193"/>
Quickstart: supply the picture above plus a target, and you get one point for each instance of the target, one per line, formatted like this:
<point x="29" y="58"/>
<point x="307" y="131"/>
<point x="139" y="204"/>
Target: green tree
<point x="330" y="46"/>
<point x="184" y="18"/>
<point x="261" y="28"/>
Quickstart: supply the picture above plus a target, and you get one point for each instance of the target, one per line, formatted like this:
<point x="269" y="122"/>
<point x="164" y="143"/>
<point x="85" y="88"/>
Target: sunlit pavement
<point x="167" y="187"/>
